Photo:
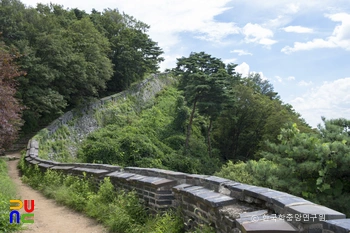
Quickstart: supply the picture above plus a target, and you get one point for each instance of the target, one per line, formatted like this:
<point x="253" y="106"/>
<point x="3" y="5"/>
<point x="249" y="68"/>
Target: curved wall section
<point x="227" y="205"/>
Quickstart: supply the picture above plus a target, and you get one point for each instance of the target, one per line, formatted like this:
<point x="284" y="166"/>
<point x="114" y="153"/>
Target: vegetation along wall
<point x="226" y="205"/>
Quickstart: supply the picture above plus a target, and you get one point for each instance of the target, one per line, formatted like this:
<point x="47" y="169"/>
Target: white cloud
<point x="240" y="52"/>
<point x="279" y="21"/>
<point x="169" y="18"/>
<point x="303" y="83"/>
<point x="332" y="100"/>
<point x="255" y="33"/>
<point x="169" y="62"/>
<point x="243" y="69"/>
<point x="293" y="8"/>
<point x="216" y="31"/>
<point x="298" y="29"/>
<point x="278" y="78"/>
<point x="339" y="39"/>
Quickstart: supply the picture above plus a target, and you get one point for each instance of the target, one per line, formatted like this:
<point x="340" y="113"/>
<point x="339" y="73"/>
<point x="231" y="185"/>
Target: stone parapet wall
<point x="140" y="90"/>
<point x="226" y="205"/>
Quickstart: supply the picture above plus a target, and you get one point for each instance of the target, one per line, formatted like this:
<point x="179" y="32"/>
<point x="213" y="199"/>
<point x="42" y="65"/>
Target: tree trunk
<point x="209" y="141"/>
<point x="189" y="128"/>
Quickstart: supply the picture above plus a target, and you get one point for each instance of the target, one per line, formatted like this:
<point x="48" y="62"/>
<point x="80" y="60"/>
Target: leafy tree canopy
<point x="10" y="108"/>
<point x="71" y="56"/>
<point x="311" y="165"/>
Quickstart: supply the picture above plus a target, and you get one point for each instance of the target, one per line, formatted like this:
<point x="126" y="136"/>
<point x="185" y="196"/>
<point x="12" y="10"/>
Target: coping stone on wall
<point x="89" y="171"/>
<point x="338" y="226"/>
<point x="318" y="211"/>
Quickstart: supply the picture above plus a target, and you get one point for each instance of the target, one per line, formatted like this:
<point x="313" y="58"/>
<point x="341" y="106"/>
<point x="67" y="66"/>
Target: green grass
<point x="7" y="192"/>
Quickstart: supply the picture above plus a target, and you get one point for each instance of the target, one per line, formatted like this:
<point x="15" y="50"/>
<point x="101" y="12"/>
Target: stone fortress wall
<point x="226" y="205"/>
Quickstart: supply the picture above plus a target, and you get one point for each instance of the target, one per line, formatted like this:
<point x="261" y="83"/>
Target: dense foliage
<point x="240" y="112"/>
<point x="10" y="109"/>
<point x="71" y="56"/>
<point x="151" y="138"/>
<point x="133" y="53"/>
<point x="311" y="165"/>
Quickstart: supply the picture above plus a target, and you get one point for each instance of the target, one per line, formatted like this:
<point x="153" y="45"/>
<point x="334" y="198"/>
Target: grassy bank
<point x="7" y="192"/>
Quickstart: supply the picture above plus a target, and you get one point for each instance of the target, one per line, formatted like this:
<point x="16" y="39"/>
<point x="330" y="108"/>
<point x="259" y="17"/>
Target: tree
<point x="256" y="115"/>
<point x="260" y="85"/>
<point x="212" y="104"/>
<point x="64" y="55"/>
<point x="10" y="109"/>
<point x="133" y="52"/>
<point x="240" y="128"/>
<point x="311" y="165"/>
<point x="203" y="81"/>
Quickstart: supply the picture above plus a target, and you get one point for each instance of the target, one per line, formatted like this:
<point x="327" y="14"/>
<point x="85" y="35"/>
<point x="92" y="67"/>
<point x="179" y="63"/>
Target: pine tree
<point x="203" y="81"/>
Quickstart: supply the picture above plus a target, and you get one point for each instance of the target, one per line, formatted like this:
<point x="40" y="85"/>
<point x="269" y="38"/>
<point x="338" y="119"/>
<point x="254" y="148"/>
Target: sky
<point x="301" y="47"/>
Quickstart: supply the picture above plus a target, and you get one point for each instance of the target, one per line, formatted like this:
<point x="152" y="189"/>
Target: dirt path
<point x="50" y="217"/>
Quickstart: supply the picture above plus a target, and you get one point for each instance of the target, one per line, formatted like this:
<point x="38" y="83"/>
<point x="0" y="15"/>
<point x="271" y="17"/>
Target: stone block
<point x="253" y="214"/>
<point x="266" y="226"/>
<point x="282" y="202"/>
<point x="270" y="195"/>
<point x="214" y="182"/>
<point x="109" y="167"/>
<point x="220" y="201"/>
<point x="54" y="163"/>
<point x="136" y="170"/>
<point x="195" y="179"/>
<point x="180" y="187"/>
<point x="33" y="161"/>
<point x="34" y="144"/>
<point x="164" y="183"/>
<point x="90" y="171"/>
<point x="42" y="160"/>
<point x="338" y="226"/>
<point x="136" y="177"/>
<point x="62" y="168"/>
<point x="237" y="189"/>
<point x="120" y="175"/>
<point x="44" y="165"/>
<point x="207" y="196"/>
<point x="256" y="192"/>
<point x="33" y="152"/>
